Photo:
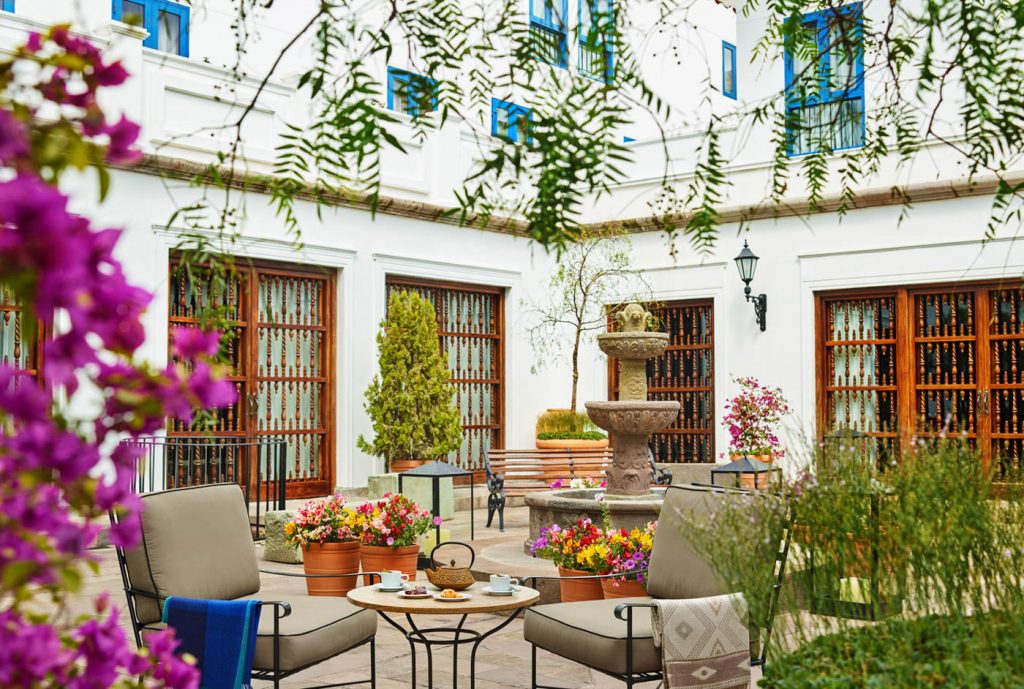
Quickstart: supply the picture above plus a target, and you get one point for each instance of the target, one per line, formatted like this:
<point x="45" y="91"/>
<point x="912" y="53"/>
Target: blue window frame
<point x="548" y="32"/>
<point x="597" y="45"/>
<point x="728" y="70"/>
<point x="510" y="121"/>
<point x="410" y="93"/>
<point x="167" y="23"/>
<point x="824" y="57"/>
<point x="7" y="5"/>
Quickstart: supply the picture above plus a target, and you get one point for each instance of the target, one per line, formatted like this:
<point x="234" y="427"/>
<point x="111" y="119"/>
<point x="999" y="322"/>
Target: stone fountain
<point x="630" y="420"/>
<point x="633" y="417"/>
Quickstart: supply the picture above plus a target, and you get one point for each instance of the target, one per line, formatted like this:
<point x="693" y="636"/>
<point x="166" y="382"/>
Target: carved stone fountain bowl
<point x="633" y="345"/>
<point x="633" y="418"/>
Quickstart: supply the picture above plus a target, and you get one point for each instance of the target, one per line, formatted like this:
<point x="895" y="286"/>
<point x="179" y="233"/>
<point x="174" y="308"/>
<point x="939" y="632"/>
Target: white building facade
<point x="894" y="326"/>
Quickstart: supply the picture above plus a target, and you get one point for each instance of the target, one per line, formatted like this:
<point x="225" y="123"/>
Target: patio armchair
<point x="615" y="637"/>
<point x="196" y="542"/>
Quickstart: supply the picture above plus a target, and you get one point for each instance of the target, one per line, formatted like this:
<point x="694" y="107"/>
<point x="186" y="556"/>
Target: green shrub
<point x="564" y="421"/>
<point x="925" y="653"/>
<point x="572" y="435"/>
<point x="928" y="533"/>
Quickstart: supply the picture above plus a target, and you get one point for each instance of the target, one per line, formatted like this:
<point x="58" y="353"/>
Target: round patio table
<point x="388" y="605"/>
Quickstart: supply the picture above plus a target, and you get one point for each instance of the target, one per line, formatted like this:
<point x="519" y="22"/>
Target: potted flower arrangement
<point x="628" y="554"/>
<point x="327" y="530"/>
<point x="389" y="531"/>
<point x="751" y="418"/>
<point x="574" y="550"/>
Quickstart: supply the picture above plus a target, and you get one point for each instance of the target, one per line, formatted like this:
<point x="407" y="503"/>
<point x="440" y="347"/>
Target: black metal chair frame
<point x="624" y="612"/>
<point x="496" y="488"/>
<point x="281" y="610"/>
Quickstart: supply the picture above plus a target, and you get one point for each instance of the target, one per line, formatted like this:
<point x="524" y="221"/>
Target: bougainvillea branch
<point x="61" y="474"/>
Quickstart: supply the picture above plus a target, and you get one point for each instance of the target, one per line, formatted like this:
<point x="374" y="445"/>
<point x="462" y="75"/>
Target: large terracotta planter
<point x="400" y="465"/>
<point x="571" y="444"/>
<point x="377" y="558"/>
<point x="331" y="558"/>
<point x="629" y="588"/>
<point x="575" y="591"/>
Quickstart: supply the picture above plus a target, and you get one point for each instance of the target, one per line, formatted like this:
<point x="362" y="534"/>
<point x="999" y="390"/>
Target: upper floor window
<point x="166" y="22"/>
<point x="7" y="5"/>
<point x="825" y="81"/>
<point x="548" y="34"/>
<point x="510" y="121"/>
<point x="410" y="93"/>
<point x="728" y="70"/>
<point x="596" y="33"/>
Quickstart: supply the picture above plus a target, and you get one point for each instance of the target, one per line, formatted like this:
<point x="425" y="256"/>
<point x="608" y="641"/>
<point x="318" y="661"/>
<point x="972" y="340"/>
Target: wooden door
<point x="471" y="328"/>
<point x="281" y="354"/>
<point x="20" y="346"/>
<point x="905" y="365"/>
<point x="684" y="373"/>
<point x="291" y="379"/>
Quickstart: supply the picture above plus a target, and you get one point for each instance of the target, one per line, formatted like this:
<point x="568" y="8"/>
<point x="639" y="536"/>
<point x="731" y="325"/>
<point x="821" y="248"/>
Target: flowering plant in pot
<point x="752" y="417"/>
<point x="327" y="531"/>
<point x="573" y="551"/>
<point x="627" y="553"/>
<point x="389" y="531"/>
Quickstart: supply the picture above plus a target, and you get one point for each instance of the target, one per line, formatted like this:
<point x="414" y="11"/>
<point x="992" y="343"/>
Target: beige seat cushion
<point x="589" y="633"/>
<point x="318" y="628"/>
<point x="196" y="542"/>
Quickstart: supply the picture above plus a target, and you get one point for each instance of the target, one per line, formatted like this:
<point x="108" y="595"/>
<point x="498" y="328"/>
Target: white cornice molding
<point x="262" y="247"/>
<point x="443" y="270"/>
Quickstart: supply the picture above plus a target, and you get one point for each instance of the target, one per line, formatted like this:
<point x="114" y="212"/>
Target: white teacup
<point x="502" y="582"/>
<point x="392" y="579"/>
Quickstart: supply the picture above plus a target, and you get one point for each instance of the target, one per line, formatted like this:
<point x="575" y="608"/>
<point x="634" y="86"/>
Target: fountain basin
<point x="633" y="345"/>
<point x="633" y="417"/>
<point x="565" y="507"/>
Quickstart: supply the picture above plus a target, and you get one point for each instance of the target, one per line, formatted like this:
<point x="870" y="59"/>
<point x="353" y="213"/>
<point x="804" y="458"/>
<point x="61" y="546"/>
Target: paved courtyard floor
<point x="503" y="660"/>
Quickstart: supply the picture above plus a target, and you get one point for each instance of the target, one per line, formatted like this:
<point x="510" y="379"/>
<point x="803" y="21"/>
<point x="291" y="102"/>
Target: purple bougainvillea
<point x="60" y="474"/>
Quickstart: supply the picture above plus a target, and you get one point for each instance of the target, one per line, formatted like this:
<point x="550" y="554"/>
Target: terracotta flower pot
<point x="377" y="558"/>
<point x="574" y="591"/>
<point x="571" y="444"/>
<point x="400" y="465"/>
<point x="628" y="588"/>
<point x="331" y="558"/>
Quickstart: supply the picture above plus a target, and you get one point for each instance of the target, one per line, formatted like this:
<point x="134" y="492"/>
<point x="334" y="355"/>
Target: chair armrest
<point x="621" y="609"/>
<point x="535" y="579"/>
<point x="285" y="607"/>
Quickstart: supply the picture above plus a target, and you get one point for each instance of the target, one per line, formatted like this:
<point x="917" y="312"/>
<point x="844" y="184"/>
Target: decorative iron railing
<point x="258" y="466"/>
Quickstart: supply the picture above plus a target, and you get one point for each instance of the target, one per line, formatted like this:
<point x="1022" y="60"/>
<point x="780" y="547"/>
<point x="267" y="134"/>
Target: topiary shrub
<point x="411" y="400"/>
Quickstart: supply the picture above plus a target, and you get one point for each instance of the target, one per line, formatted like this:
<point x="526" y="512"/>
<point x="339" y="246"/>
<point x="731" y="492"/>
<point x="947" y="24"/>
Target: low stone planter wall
<point x="276" y="547"/>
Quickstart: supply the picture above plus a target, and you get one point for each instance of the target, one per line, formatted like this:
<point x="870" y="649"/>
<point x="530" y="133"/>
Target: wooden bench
<point x="518" y="472"/>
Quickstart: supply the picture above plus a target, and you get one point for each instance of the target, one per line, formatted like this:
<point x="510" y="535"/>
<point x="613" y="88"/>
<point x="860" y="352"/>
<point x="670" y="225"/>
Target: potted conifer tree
<point x="411" y="399"/>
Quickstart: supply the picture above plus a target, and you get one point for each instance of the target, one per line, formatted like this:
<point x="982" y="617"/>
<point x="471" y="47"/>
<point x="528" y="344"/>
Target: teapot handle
<point x="472" y="553"/>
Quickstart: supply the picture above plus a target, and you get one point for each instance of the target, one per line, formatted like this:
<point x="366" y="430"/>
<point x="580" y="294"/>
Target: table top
<point x="368" y="597"/>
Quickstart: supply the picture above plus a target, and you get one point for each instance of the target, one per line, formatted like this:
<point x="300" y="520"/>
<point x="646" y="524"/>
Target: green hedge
<point x="570" y="435"/>
<point x="985" y="651"/>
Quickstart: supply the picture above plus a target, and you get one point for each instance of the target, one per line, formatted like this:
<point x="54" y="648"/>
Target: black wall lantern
<point x="746" y="263"/>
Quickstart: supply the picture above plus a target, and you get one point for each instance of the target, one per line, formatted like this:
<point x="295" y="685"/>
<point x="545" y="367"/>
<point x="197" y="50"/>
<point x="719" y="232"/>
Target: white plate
<point x="491" y="592"/>
<point x="388" y="589"/>
<point x="413" y="596"/>
<point x="462" y="597"/>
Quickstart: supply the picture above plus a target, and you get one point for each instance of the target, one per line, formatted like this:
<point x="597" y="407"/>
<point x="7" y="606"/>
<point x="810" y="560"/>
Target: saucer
<point x="462" y="597"/>
<point x="491" y="592"/>
<point x="388" y="589"/>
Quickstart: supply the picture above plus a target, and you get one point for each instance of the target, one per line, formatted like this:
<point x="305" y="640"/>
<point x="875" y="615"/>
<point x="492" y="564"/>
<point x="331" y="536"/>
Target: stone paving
<point x="503" y="660"/>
